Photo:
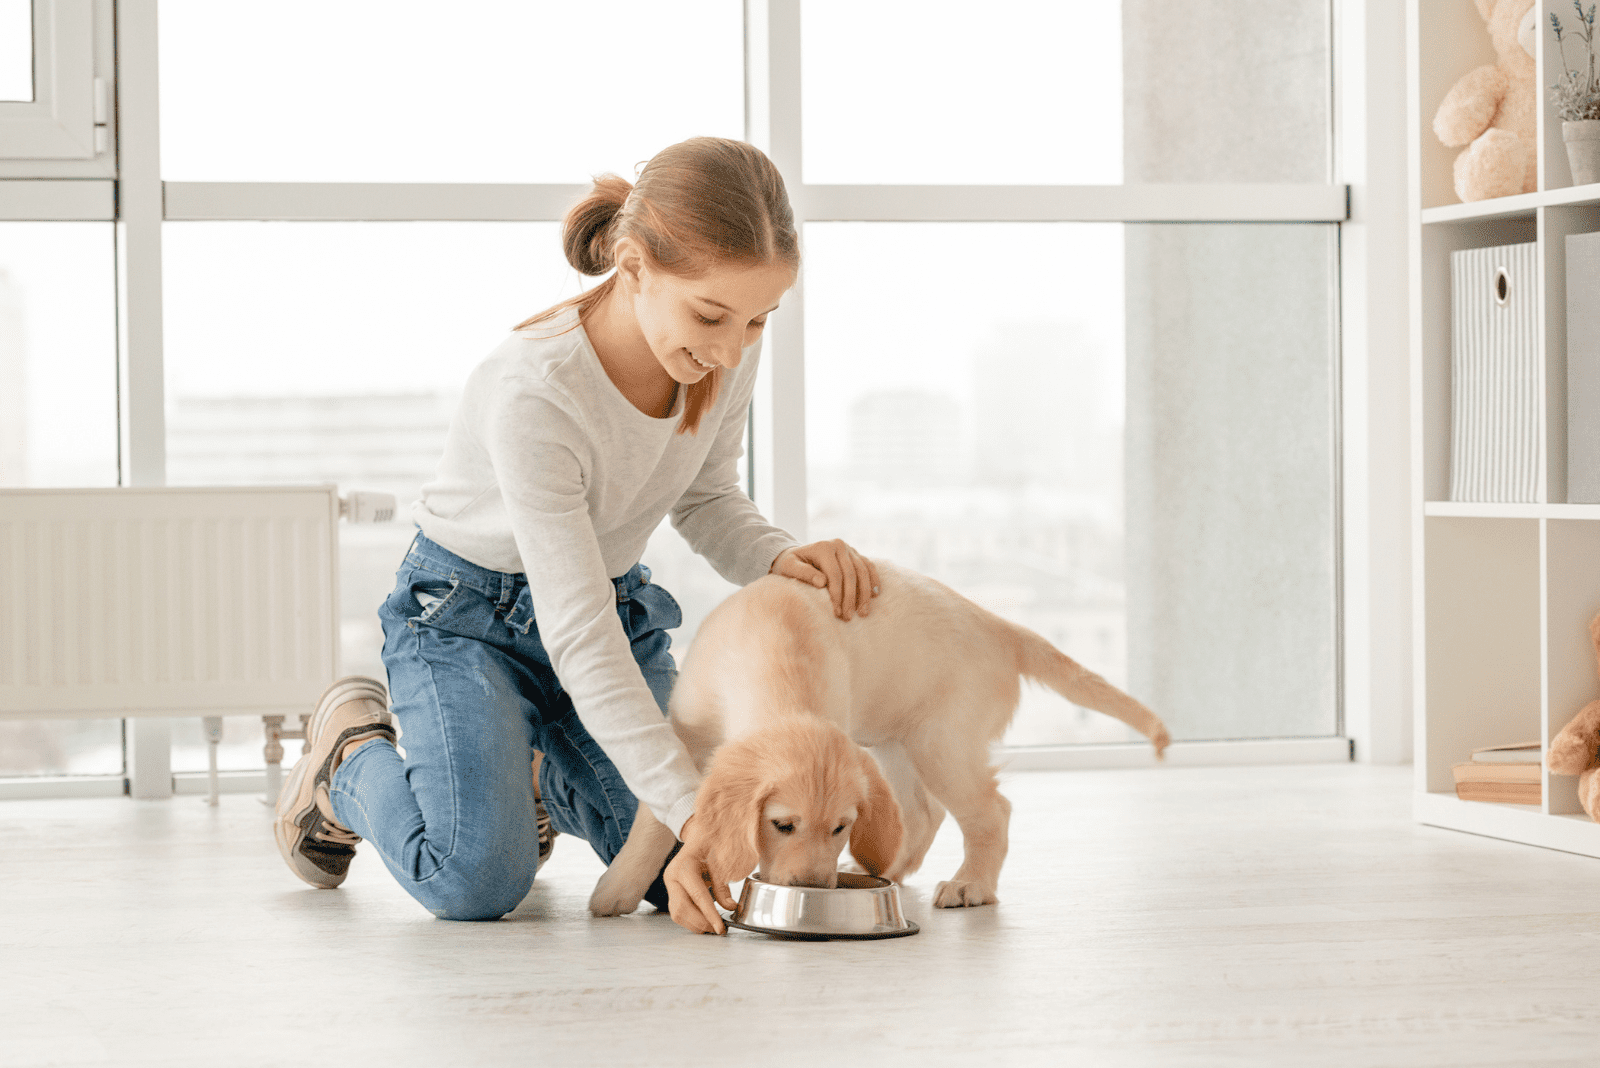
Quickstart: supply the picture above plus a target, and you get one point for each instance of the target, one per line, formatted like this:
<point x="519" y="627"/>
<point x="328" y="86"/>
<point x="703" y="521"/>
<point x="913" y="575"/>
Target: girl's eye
<point x="839" y="828"/>
<point x="783" y="828"/>
<point x="707" y="322"/>
<point x="758" y="324"/>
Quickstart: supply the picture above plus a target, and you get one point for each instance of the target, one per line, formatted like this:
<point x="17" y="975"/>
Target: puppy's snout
<point x="818" y="879"/>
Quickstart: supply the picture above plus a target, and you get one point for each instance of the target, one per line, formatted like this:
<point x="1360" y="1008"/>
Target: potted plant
<point x="1577" y="100"/>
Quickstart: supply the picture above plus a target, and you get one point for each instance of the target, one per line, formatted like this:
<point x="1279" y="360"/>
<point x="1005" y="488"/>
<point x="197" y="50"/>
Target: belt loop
<point x="508" y="587"/>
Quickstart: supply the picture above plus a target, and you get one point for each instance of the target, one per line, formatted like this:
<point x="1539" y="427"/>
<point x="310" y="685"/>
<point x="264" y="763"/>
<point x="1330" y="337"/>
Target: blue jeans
<point x="474" y="694"/>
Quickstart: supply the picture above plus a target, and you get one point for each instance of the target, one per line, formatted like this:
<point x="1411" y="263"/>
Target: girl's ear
<point x="875" y="836"/>
<point x="727" y="808"/>
<point x="630" y="264"/>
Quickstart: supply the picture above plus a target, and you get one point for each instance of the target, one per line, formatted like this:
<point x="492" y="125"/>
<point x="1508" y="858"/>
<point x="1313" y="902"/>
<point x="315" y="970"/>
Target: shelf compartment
<point x="1572" y="548"/>
<point x="1483" y="650"/>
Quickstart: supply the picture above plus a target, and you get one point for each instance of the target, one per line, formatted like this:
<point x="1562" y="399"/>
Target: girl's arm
<point x="575" y="604"/>
<point x="723" y="525"/>
<point x="714" y="515"/>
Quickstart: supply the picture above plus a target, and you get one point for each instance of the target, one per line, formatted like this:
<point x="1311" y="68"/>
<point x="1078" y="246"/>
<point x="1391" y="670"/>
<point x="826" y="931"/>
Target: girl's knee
<point x="480" y="888"/>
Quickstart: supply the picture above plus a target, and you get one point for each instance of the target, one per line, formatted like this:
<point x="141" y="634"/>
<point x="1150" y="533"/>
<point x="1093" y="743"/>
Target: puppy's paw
<point x="958" y="894"/>
<point x="614" y="896"/>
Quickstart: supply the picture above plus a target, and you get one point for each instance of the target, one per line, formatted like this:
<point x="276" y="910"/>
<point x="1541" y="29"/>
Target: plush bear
<point x="1576" y="750"/>
<point x="1492" y="110"/>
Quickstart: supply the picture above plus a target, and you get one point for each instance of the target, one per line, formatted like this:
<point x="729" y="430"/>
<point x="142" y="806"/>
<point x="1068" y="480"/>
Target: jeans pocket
<point x="431" y="595"/>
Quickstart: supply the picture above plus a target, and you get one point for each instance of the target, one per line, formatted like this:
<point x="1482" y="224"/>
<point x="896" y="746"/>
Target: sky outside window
<point x="947" y="91"/>
<point x="477" y="91"/>
<point x="16" y="50"/>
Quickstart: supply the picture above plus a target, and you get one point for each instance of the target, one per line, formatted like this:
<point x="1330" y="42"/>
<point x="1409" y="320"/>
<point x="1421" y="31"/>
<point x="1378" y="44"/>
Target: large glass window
<point x="58" y="426"/>
<point x="16" y="50"/>
<point x="58" y="354"/>
<point x="940" y="91"/>
<point x="964" y="417"/>
<point x="1123" y="440"/>
<point x="407" y="91"/>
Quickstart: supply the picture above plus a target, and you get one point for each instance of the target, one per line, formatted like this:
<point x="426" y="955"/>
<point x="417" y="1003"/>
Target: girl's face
<point x="694" y="325"/>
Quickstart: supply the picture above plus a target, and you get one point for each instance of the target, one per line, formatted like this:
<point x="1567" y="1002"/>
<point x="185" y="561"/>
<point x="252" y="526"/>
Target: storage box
<point x="1497" y="377"/>
<point x="1583" y="368"/>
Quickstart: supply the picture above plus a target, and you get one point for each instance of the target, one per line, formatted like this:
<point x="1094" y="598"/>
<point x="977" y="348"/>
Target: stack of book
<point x="1506" y="773"/>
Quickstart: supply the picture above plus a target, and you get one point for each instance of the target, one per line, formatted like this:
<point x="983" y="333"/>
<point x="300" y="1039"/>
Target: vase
<point x="1583" y="149"/>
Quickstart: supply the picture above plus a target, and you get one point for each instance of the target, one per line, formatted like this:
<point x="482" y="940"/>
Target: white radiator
<point x="179" y="601"/>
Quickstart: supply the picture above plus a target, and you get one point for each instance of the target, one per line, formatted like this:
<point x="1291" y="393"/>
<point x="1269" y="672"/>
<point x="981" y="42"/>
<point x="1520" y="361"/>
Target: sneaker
<point x="547" y="832"/>
<point x="316" y="846"/>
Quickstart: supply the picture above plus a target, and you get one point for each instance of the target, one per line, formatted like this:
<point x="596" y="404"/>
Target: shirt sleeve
<point x="539" y="453"/>
<point x="714" y="515"/>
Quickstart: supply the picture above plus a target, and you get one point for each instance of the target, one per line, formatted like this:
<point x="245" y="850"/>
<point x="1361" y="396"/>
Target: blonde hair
<point x="702" y="202"/>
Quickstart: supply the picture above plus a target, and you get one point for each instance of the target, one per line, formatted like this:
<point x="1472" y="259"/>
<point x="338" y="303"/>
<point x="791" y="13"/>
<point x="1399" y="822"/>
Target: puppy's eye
<point x="784" y="826"/>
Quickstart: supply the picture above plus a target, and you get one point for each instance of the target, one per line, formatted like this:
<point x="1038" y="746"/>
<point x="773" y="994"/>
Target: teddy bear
<point x="1492" y="109"/>
<point x="1576" y="749"/>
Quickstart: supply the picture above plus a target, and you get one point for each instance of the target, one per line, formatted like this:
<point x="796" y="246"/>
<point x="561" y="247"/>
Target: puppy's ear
<point x="728" y="812"/>
<point x="875" y="837"/>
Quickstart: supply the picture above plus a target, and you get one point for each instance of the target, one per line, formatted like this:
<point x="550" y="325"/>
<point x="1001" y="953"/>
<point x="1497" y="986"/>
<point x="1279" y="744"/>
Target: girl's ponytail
<point x="588" y="233"/>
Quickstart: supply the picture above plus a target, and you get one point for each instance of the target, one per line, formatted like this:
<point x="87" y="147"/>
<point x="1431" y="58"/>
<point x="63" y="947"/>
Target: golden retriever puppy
<point x="776" y="697"/>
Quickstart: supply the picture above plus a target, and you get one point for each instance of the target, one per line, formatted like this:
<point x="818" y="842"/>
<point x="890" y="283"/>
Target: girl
<point x="522" y="628"/>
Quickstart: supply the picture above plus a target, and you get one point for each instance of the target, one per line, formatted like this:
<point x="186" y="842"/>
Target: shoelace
<point x="547" y="833"/>
<point x="327" y="829"/>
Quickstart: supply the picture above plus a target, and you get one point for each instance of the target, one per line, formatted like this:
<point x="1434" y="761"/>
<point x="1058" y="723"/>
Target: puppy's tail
<point x="1044" y="663"/>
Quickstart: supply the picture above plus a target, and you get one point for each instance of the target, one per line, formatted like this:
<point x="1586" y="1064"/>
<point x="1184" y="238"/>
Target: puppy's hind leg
<point x="622" y="886"/>
<point x="961" y="778"/>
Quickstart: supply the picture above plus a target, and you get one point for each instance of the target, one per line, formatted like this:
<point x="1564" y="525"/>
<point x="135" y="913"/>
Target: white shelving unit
<point x="1504" y="592"/>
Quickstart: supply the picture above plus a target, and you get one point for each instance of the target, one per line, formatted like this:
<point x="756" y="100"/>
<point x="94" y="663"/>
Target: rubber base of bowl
<point x="810" y="936"/>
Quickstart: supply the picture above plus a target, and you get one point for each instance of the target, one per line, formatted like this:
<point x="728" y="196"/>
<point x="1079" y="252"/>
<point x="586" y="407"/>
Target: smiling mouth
<point x="697" y="361"/>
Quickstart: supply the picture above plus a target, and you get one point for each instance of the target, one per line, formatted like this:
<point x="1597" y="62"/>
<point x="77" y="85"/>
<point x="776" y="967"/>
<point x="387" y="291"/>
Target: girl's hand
<point x="851" y="578"/>
<point x="692" y="892"/>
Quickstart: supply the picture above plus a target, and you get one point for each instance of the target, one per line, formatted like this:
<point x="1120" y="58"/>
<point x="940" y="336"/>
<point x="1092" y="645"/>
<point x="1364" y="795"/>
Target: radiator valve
<point x="365" y="506"/>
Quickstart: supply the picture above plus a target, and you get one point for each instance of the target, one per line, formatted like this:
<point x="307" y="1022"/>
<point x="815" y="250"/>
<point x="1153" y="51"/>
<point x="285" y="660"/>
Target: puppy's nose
<point x="825" y="880"/>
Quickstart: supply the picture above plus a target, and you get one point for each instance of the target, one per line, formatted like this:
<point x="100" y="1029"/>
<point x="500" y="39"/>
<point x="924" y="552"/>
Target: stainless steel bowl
<point x="863" y="906"/>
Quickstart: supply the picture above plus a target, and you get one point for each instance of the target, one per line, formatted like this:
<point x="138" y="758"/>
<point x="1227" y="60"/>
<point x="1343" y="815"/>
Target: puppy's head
<point x="787" y="799"/>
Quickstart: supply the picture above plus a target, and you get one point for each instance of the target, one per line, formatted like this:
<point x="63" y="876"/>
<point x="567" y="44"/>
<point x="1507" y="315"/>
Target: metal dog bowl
<point x="863" y="906"/>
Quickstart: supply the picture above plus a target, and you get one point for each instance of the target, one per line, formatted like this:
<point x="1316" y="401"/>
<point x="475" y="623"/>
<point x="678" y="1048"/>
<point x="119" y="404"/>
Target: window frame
<point x="67" y="130"/>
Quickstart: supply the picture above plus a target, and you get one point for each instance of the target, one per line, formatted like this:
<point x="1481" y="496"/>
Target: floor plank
<point x="1200" y="916"/>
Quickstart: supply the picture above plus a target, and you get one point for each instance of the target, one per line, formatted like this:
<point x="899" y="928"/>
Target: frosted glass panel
<point x="964" y="417"/>
<point x="1231" y="358"/>
<point x="945" y="91"/>
<point x="16" y="49"/>
<point x="407" y="91"/>
<point x="1227" y="91"/>
<point x="58" y="354"/>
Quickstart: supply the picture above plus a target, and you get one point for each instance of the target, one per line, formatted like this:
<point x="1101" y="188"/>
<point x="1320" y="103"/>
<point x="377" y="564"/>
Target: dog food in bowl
<point x="862" y="906"/>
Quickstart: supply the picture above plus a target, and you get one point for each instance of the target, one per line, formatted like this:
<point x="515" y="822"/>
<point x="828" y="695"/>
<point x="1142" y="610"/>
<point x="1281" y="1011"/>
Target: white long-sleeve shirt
<point x="549" y="470"/>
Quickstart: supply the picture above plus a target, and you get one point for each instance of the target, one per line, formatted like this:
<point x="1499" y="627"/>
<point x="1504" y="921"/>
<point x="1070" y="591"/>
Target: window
<point x="972" y="97"/>
<point x="488" y="91"/>
<point x="54" y="88"/>
<point x="1033" y="366"/>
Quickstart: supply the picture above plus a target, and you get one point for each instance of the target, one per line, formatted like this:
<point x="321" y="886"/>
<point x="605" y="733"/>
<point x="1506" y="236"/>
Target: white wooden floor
<point x="1207" y="916"/>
